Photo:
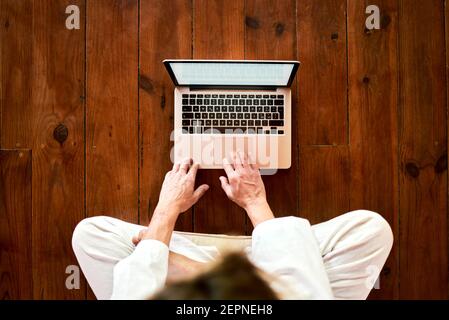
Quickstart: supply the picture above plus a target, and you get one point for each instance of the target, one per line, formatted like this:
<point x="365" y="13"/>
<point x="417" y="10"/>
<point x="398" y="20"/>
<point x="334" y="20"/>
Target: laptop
<point x="225" y="106"/>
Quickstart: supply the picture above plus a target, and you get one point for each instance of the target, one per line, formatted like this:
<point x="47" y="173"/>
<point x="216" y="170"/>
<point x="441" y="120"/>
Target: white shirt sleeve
<point x="286" y="249"/>
<point x="142" y="273"/>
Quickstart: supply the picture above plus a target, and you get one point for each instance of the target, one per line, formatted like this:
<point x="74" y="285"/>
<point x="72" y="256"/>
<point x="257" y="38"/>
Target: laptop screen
<point x="231" y="73"/>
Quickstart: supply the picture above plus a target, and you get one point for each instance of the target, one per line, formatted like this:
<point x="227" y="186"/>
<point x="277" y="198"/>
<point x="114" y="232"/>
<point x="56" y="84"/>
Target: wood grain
<point x="271" y="35"/>
<point x="373" y="100"/>
<point x="218" y="29"/>
<point x="218" y="34"/>
<point x="325" y="181"/>
<point x="15" y="77"/>
<point x="446" y="16"/>
<point x="324" y="164"/>
<point x="112" y="109"/>
<point x="423" y="151"/>
<point x="58" y="171"/>
<point x="323" y="102"/>
<point x="382" y="145"/>
<point x="57" y="162"/>
<point x="159" y="40"/>
<point x="16" y="276"/>
<point x="44" y="91"/>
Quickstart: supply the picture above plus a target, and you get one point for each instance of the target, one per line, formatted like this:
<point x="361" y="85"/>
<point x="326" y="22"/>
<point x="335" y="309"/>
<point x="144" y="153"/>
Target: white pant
<point x="354" y="247"/>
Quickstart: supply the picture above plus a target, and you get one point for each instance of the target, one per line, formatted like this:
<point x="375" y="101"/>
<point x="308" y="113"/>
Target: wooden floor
<point x="86" y="117"/>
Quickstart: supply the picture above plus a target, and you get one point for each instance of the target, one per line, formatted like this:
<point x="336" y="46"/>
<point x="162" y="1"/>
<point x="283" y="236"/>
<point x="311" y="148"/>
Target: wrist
<point x="161" y="226"/>
<point x="161" y="220"/>
<point x="259" y="212"/>
<point x="166" y="212"/>
<point x="256" y="204"/>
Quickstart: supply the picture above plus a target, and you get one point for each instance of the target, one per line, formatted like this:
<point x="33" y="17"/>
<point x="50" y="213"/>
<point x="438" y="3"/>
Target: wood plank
<point x="324" y="165"/>
<point x="112" y="109"/>
<point x="446" y="15"/>
<point x="373" y="99"/>
<point x="323" y="103"/>
<point x="16" y="60"/>
<point x="271" y="34"/>
<point x="218" y="34"/>
<point x="219" y="29"/>
<point x="58" y="157"/>
<point x="16" y="276"/>
<point x="48" y="118"/>
<point x="423" y="151"/>
<point x="325" y="180"/>
<point x="159" y="40"/>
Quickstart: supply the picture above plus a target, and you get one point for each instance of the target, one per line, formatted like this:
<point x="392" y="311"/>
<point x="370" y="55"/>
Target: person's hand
<point x="243" y="184"/>
<point x="245" y="187"/>
<point x="177" y="192"/>
<point x="140" y="236"/>
<point x="177" y="195"/>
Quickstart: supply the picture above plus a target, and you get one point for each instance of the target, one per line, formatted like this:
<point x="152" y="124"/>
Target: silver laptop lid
<point x="232" y="73"/>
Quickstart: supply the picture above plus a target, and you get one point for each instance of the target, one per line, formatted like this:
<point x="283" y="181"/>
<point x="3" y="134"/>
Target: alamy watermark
<point x="373" y="20"/>
<point x="73" y="20"/>
<point x="72" y="281"/>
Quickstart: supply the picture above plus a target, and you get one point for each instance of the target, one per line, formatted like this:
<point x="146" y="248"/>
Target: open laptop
<point x="223" y="106"/>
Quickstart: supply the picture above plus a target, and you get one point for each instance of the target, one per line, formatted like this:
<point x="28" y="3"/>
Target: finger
<point x="255" y="166"/>
<point x="227" y="166"/>
<point x="135" y="240"/>
<point x="225" y="185"/>
<point x="185" y="165"/>
<point x="200" y="191"/>
<point x="193" y="170"/>
<point x="237" y="162"/>
<point x="176" y="166"/>
<point x="243" y="159"/>
<point x="252" y="162"/>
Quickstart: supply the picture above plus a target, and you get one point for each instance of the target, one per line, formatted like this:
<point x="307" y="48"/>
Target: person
<point x="285" y="257"/>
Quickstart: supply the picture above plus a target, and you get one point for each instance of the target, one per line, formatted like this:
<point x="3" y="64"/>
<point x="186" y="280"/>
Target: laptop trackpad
<point x="209" y="150"/>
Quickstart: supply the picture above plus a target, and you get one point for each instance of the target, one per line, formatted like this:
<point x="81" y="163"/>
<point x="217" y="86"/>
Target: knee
<point x="85" y="231"/>
<point x="376" y="227"/>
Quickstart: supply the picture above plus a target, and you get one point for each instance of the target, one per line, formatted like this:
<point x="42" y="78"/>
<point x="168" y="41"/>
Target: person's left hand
<point x="177" y="192"/>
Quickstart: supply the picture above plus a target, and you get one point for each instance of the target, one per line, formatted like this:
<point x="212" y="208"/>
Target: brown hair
<point x="235" y="277"/>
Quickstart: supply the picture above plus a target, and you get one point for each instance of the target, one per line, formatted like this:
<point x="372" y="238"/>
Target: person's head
<point x="235" y="277"/>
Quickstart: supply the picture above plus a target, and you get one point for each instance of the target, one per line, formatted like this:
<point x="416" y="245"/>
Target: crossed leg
<point x="354" y="247"/>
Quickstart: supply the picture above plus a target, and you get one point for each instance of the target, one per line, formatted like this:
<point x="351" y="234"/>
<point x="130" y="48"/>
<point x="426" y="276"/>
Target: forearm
<point x="259" y="212"/>
<point x="162" y="225"/>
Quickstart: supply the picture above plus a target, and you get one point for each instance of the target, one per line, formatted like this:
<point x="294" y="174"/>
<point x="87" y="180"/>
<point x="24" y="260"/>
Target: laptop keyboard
<point x="233" y="113"/>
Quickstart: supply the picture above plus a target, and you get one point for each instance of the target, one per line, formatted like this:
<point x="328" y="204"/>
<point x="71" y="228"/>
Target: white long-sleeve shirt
<point x="284" y="248"/>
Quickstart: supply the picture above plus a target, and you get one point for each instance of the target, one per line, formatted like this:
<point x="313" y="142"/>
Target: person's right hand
<point x="245" y="187"/>
<point x="178" y="191"/>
